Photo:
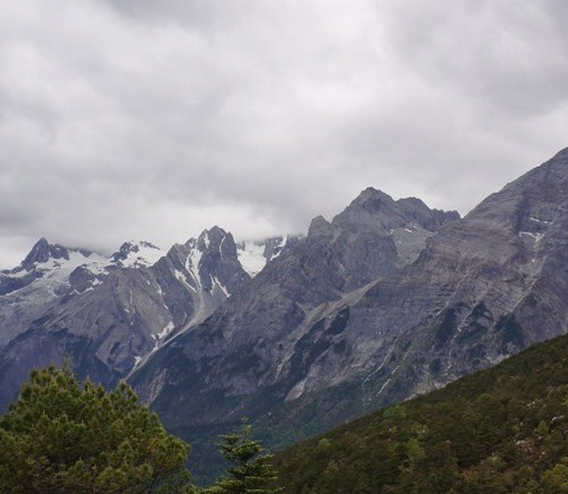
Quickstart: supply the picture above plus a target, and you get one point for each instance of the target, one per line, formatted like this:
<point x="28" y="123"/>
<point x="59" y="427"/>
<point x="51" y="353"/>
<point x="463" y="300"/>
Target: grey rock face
<point x="41" y="252"/>
<point x="358" y="316"/>
<point x="261" y="342"/>
<point x="106" y="318"/>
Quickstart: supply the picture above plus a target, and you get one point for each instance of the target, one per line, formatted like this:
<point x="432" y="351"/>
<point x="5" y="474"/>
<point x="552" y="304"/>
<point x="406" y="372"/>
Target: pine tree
<point x="62" y="436"/>
<point x="251" y="471"/>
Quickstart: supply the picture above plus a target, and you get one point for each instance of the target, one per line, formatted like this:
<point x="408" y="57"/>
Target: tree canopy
<point x="498" y="431"/>
<point x="62" y="436"/>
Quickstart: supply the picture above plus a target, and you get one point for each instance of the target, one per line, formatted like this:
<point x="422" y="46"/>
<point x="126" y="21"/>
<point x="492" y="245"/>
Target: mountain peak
<point x="532" y="201"/>
<point x="213" y="237"/>
<point x="370" y="194"/>
<point x="319" y="226"/>
<point x="136" y="254"/>
<point x="373" y="208"/>
<point x="41" y="252"/>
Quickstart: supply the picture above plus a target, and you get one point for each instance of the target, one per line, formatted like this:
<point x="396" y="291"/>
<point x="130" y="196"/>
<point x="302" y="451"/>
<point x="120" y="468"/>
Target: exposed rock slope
<point x="253" y="352"/>
<point x="107" y="315"/>
<point x="360" y="315"/>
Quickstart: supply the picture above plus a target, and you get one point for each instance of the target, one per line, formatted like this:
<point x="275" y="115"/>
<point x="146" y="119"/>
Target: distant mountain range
<point x="388" y="300"/>
<point x="106" y="315"/>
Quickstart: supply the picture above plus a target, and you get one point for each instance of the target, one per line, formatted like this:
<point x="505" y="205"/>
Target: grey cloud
<point x="135" y="118"/>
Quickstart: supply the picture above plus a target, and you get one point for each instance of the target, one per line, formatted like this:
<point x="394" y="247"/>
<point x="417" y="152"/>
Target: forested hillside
<point x="498" y="431"/>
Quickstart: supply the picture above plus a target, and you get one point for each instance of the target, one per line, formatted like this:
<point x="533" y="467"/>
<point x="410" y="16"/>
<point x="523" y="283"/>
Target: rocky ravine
<point x="359" y="315"/>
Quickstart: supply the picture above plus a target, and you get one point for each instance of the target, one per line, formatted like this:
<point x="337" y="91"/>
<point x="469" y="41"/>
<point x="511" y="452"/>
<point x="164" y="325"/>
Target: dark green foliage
<point x="250" y="471"/>
<point x="499" y="431"/>
<point x="64" y="437"/>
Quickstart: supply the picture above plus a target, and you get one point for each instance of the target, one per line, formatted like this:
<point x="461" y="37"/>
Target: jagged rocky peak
<point x="373" y="201"/>
<point x="371" y="198"/>
<point x="320" y="227"/>
<point x="217" y="240"/>
<point x="42" y="252"/>
<point x="431" y="219"/>
<point x="374" y="208"/>
<point x="219" y="263"/>
<point x="212" y="241"/>
<point x="136" y="254"/>
<point x="210" y="260"/>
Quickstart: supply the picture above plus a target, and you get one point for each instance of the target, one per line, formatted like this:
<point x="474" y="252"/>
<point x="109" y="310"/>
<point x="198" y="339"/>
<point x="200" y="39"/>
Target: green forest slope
<point x="498" y="431"/>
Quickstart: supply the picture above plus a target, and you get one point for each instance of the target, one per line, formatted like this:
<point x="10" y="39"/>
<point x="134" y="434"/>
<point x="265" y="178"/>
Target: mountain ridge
<point x="106" y="315"/>
<point x="349" y="322"/>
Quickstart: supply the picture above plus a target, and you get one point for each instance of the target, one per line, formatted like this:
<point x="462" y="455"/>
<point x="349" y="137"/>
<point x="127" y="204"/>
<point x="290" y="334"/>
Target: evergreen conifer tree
<point x="250" y="471"/>
<point x="62" y="436"/>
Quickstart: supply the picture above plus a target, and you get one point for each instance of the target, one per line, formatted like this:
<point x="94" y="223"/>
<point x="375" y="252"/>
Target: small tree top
<point x="251" y="472"/>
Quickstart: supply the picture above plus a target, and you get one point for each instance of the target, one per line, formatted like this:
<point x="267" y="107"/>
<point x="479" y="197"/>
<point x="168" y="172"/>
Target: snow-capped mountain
<point x="136" y="255"/>
<point x="51" y="272"/>
<point x="107" y="314"/>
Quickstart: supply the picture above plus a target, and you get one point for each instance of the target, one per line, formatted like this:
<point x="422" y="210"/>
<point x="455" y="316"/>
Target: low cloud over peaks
<point x="141" y="119"/>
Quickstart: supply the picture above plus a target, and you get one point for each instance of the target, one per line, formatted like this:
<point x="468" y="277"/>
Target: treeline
<point x="499" y="431"/>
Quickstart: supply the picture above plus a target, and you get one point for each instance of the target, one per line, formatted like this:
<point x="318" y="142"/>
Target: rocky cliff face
<point x="255" y="351"/>
<point x="386" y="301"/>
<point x="105" y="316"/>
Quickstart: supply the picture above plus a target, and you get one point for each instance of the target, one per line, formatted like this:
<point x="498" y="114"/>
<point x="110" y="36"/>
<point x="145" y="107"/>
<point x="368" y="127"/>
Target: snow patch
<point x="192" y="264"/>
<point x="181" y="277"/>
<point x="279" y="247"/>
<point x="296" y="391"/>
<point x="537" y="220"/>
<point x="166" y="331"/>
<point x="251" y="257"/>
<point x="216" y="282"/>
<point x="383" y="386"/>
<point x="537" y="237"/>
<point x="56" y="272"/>
<point x="142" y="254"/>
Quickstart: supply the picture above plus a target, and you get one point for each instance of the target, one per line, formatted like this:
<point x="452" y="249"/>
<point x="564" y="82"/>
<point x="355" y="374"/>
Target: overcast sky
<point x="146" y="119"/>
